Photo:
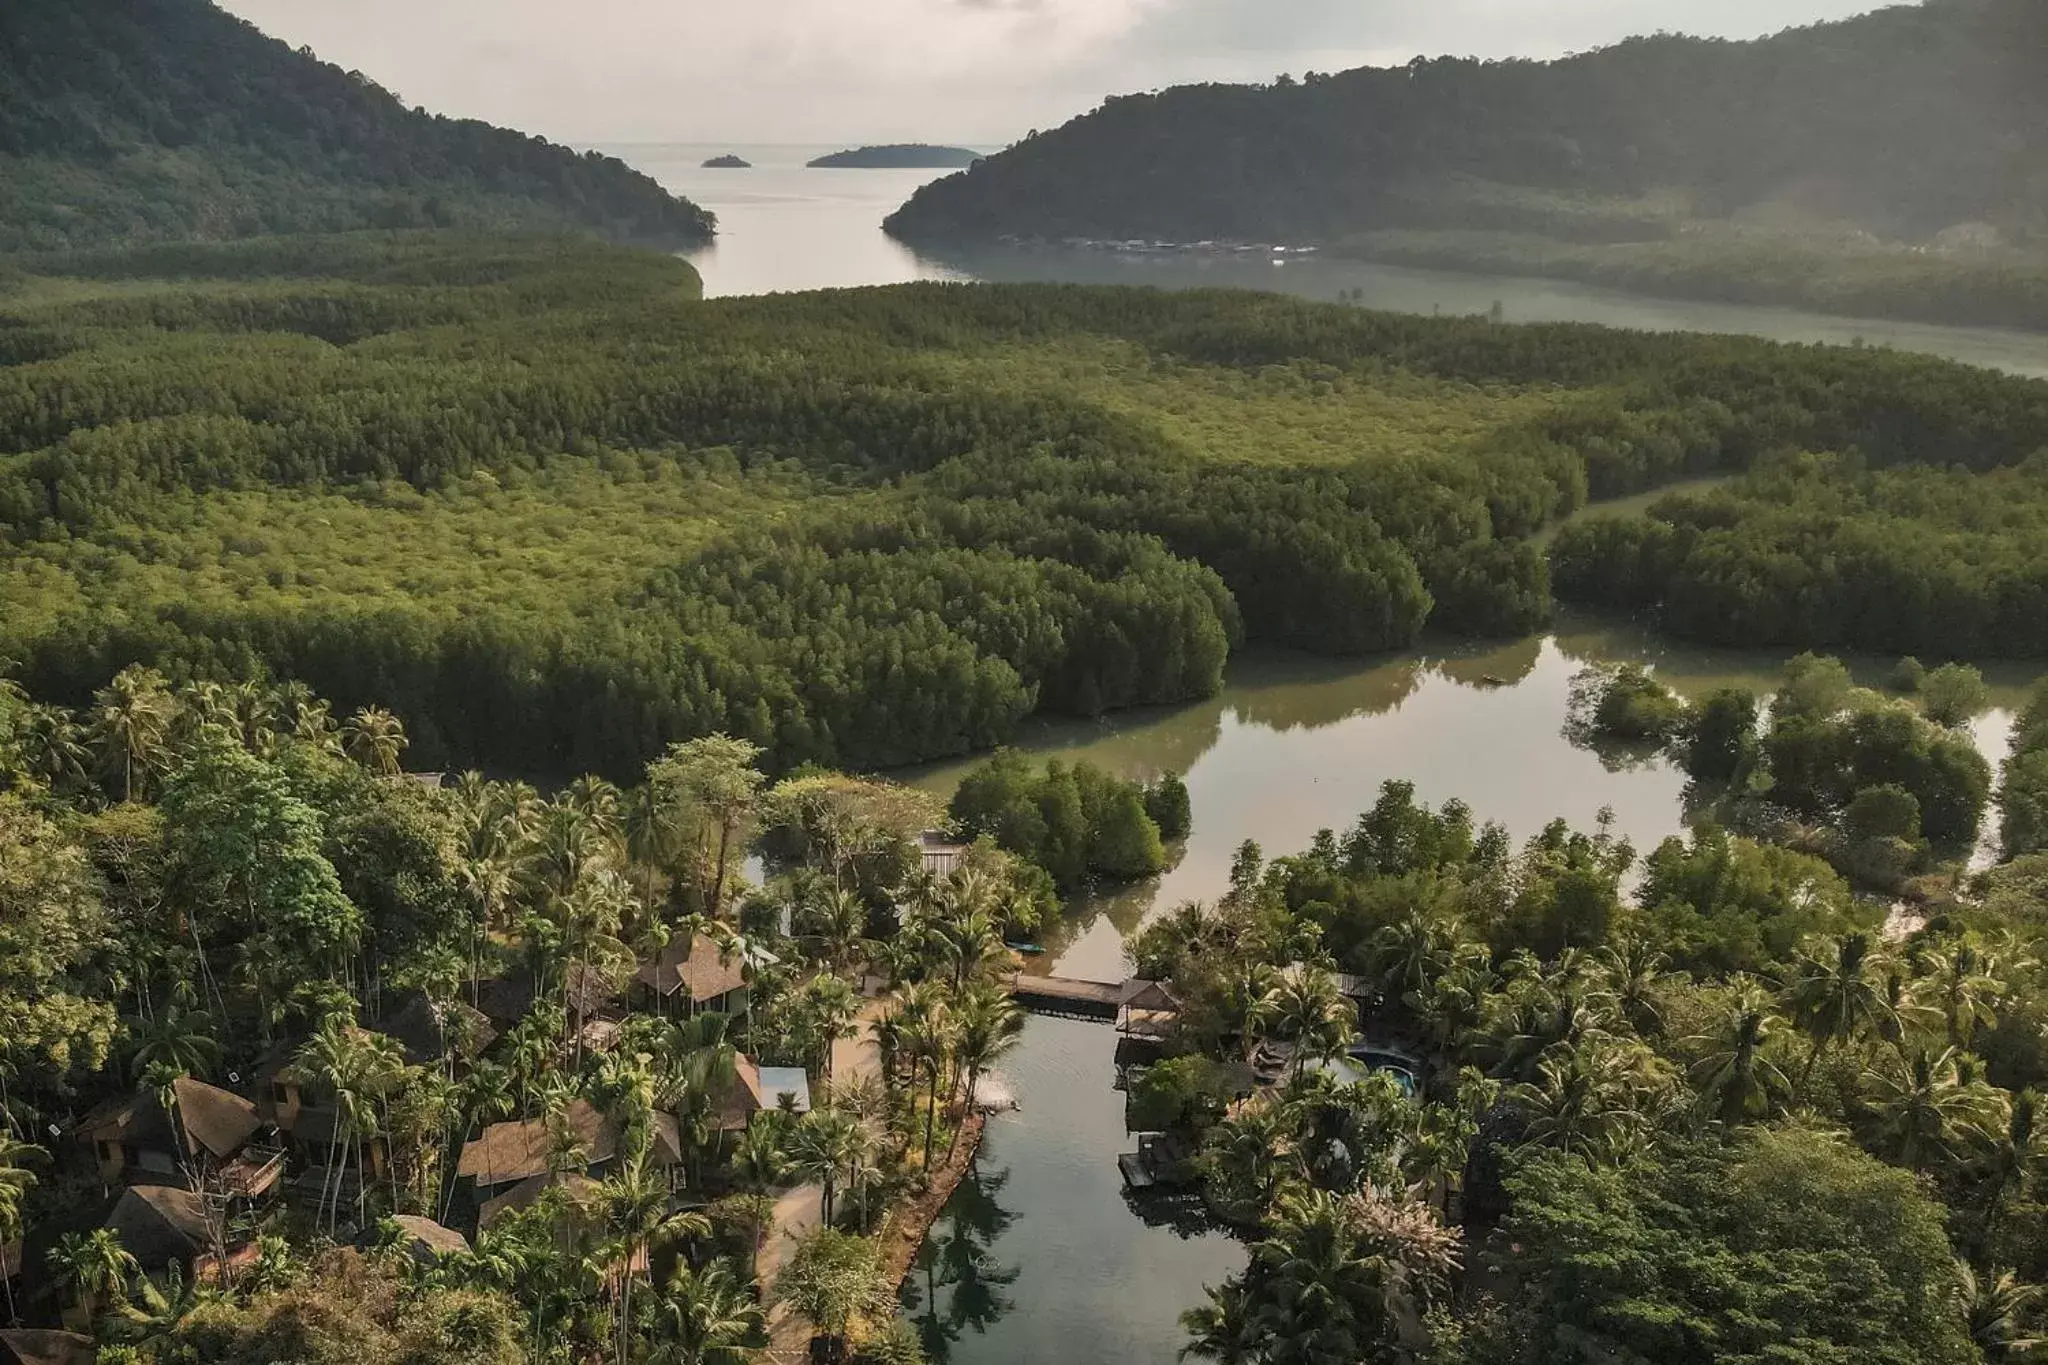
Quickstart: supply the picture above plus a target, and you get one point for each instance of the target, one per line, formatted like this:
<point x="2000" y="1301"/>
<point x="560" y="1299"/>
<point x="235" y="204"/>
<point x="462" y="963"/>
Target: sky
<point x="974" y="72"/>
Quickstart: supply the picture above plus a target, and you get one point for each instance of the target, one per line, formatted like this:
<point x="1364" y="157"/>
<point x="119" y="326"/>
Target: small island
<point x="898" y="156"/>
<point x="728" y="162"/>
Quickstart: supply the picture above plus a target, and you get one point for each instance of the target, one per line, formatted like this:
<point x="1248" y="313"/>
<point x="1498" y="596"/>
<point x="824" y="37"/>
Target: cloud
<point x="977" y="71"/>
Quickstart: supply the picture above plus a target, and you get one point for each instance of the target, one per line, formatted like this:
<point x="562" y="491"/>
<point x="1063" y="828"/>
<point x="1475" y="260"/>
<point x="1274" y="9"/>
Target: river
<point x="783" y="226"/>
<point x="1040" y="1257"/>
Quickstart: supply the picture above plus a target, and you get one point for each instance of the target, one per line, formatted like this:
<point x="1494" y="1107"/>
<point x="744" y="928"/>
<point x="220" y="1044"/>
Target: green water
<point x="1040" y="1256"/>
<point x="1295" y="744"/>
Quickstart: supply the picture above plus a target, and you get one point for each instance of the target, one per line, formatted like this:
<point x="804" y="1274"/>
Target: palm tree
<point x="1835" y="996"/>
<point x="1405" y="956"/>
<point x="1995" y="1310"/>
<point x="1305" y="1008"/>
<point x="2014" y="1155"/>
<point x="331" y="1061"/>
<point x="177" y="1038"/>
<point x="52" y="745"/>
<point x="1736" y="1081"/>
<point x="132" y="718"/>
<point x="833" y="1011"/>
<point x="97" y="1266"/>
<point x="835" y="921"/>
<point x="1582" y="1100"/>
<point x="637" y="1200"/>
<point x="987" y="1023"/>
<point x="1925" y="1110"/>
<point x="161" y="1309"/>
<point x="1968" y="992"/>
<point x="374" y="738"/>
<point x="16" y="1179"/>
<point x="1453" y="1005"/>
<point x="829" y="1144"/>
<point x="705" y="1317"/>
<point x="1321" y="1294"/>
<point x="1637" y="976"/>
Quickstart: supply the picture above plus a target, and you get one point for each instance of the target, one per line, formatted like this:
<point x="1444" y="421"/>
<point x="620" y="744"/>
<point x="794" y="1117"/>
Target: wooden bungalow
<point x="209" y="1130"/>
<point x="163" y="1225"/>
<point x="430" y="1032"/>
<point x="694" y="975"/>
<point x="520" y="1149"/>
<point x="939" y="855"/>
<point x="756" y="1090"/>
<point x="1147" y="1009"/>
<point x="38" y="1346"/>
<point x="306" y="1121"/>
<point x="425" y="1240"/>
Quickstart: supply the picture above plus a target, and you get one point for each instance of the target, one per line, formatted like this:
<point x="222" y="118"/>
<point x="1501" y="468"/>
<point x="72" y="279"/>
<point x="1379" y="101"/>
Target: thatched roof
<point x="1148" y="995"/>
<point x="581" y="1188"/>
<point x="427" y="1239"/>
<point x="218" y="1120"/>
<point x="160" y="1224"/>
<point x="691" y="962"/>
<point x="428" y="1032"/>
<point x="664" y="1139"/>
<point x="587" y="990"/>
<point x="525" y="1148"/>
<point x="506" y="1000"/>
<point x="36" y="1346"/>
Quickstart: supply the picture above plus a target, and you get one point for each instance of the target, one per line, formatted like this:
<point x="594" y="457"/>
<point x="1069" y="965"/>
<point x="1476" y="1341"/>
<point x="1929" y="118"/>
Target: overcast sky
<point x="968" y="71"/>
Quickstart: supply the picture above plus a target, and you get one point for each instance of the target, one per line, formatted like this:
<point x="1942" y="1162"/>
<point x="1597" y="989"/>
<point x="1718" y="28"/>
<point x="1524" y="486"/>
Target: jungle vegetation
<point x="172" y="119"/>
<point x="221" y="882"/>
<point x="1688" y="1108"/>
<point x="537" y="498"/>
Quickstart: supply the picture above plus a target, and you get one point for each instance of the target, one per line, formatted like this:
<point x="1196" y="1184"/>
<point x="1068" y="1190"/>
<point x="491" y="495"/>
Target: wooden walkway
<point x="1060" y="995"/>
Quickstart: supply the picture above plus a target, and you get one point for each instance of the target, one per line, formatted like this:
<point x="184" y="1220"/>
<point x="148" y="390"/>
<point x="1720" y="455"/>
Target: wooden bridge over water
<point x="1135" y="1006"/>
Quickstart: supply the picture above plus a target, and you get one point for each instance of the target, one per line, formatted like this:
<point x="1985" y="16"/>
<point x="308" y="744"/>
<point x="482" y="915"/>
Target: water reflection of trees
<point x="1185" y="1216"/>
<point x="955" y="1284"/>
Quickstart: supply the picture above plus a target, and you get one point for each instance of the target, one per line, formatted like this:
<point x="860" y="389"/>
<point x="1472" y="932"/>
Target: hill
<point x="538" y="497"/>
<point x="137" y="120"/>
<point x="897" y="156"/>
<point x="1893" y="140"/>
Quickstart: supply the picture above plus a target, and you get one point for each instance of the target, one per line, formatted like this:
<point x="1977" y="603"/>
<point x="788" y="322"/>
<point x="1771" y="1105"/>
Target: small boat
<point x="1028" y="949"/>
<point x="1492" y="680"/>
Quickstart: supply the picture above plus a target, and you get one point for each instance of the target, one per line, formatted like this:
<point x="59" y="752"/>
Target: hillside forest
<point x="163" y="120"/>
<point x="1879" y="166"/>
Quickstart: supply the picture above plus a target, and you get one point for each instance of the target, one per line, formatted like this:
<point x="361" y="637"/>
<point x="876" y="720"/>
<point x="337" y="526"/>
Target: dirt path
<point x="799" y="1211"/>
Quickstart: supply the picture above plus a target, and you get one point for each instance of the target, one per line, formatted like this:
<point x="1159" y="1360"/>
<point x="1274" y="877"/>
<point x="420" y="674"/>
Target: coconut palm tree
<point x="1583" y="1100"/>
<point x="832" y="1280"/>
<point x="96" y="1266"/>
<point x="704" y="1317"/>
<point x="1735" y="1080"/>
<point x="177" y="1038"/>
<point x="1305" y="1008"/>
<point x="158" y="1309"/>
<point x="829" y="1145"/>
<point x="638" y="1217"/>
<point x="132" y="718"/>
<point x="52" y="745"/>
<point x="1967" y="990"/>
<point x="1638" y="977"/>
<point x="2015" y="1153"/>
<point x="987" y="1023"/>
<point x="1926" y="1109"/>
<point x="16" y="1180"/>
<point x="1453" y="1005"/>
<point x="1836" y="994"/>
<point x="1406" y="955"/>
<point x="1996" y="1309"/>
<point x="834" y="922"/>
<point x="374" y="738"/>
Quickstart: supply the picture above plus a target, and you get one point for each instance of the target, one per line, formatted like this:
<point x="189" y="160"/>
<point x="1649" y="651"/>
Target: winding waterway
<point x="1040" y="1257"/>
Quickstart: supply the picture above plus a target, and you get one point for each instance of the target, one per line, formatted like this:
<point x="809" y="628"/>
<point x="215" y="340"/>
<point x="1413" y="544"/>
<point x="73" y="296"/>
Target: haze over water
<point x="783" y="226"/>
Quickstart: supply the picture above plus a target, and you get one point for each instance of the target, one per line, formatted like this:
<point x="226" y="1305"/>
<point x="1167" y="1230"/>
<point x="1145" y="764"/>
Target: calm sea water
<point x="783" y="227"/>
<point x="1041" y="1257"/>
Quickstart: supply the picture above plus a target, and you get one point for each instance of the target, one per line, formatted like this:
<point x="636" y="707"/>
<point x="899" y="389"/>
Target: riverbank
<point x="904" y="1230"/>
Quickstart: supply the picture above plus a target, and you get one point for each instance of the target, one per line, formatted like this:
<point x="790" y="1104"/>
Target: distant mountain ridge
<point x="147" y="120"/>
<point x="897" y="156"/>
<point x="1903" y="123"/>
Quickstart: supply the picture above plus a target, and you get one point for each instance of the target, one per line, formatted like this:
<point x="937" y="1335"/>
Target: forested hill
<point x="1903" y="123"/>
<point x="137" y="120"/>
